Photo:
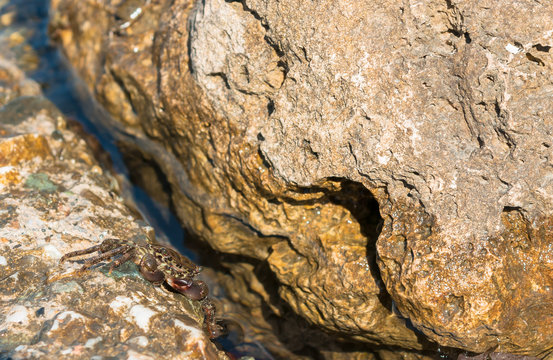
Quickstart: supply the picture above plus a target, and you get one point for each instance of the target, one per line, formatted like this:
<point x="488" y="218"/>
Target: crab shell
<point x="158" y="263"/>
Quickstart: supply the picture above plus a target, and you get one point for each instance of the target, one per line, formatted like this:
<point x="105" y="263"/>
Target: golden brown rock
<point x="14" y="150"/>
<point x="375" y="160"/>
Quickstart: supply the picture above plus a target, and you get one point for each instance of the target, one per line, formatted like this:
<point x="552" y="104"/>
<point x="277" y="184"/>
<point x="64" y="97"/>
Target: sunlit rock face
<point x="56" y="198"/>
<point x="381" y="170"/>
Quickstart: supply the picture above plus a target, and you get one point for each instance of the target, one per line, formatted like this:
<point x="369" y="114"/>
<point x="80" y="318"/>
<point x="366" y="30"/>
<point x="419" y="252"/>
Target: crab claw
<point x="148" y="269"/>
<point x="179" y="284"/>
<point x="212" y="326"/>
<point x="216" y="330"/>
<point x="195" y="290"/>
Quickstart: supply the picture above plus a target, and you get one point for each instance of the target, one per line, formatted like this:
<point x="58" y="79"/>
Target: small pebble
<point x="91" y="342"/>
<point x="18" y="314"/>
<point x="141" y="341"/>
<point x="52" y="252"/>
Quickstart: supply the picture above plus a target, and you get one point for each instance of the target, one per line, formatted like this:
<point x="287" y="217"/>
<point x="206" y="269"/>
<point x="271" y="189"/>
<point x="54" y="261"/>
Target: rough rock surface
<point x="387" y="164"/>
<point x="55" y="198"/>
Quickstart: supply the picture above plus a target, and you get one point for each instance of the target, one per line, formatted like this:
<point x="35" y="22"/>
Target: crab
<point x="157" y="263"/>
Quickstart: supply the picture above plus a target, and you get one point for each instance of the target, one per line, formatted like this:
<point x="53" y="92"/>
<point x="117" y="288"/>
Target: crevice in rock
<point x="309" y="150"/>
<point x="466" y="100"/>
<point x="503" y="135"/>
<point x="292" y="331"/>
<point x="252" y="229"/>
<point x="146" y="174"/>
<point x="264" y="160"/>
<point x="126" y="90"/>
<point x="275" y="46"/>
<point x="282" y="63"/>
<point x="535" y="59"/>
<point x="223" y="77"/>
<point x="263" y="22"/>
<point x="304" y="51"/>
<point x="270" y="109"/>
<point x="153" y="193"/>
<point x="497" y="109"/>
<point x="454" y="32"/>
<point x="460" y="33"/>
<point x="543" y="48"/>
<point x="364" y="208"/>
<point x="508" y="209"/>
<point x="254" y="13"/>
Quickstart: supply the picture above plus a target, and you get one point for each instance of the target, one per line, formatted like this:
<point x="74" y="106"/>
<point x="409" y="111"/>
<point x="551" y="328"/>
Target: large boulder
<point x="386" y="165"/>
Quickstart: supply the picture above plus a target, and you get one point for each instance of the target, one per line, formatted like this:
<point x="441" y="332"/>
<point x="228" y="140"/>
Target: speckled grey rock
<point x="55" y="198"/>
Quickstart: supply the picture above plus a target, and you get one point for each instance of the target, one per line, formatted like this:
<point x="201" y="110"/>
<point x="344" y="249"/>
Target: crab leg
<point x="213" y="329"/>
<point x="103" y="256"/>
<point x="90" y="250"/>
<point x="128" y="253"/>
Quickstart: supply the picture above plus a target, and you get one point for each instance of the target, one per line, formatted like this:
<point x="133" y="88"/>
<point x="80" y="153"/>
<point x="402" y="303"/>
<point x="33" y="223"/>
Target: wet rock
<point x="55" y="198"/>
<point x="14" y="83"/>
<point x="495" y="356"/>
<point x="385" y="166"/>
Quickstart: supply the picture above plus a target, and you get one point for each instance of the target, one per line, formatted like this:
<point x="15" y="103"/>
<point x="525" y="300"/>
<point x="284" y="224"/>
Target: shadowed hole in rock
<point x="152" y="193"/>
<point x="270" y="109"/>
<point x="542" y="48"/>
<point x="535" y="59"/>
<point x="364" y="208"/>
<point x="292" y="330"/>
